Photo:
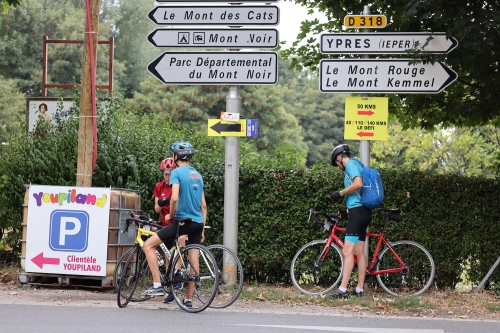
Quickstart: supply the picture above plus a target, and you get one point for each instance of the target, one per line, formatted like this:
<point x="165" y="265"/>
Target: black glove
<point x="335" y="196"/>
<point x="342" y="213"/>
<point x="163" y="202"/>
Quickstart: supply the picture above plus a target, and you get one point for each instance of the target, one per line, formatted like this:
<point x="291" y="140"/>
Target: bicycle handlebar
<point x="143" y="219"/>
<point x="392" y="214"/>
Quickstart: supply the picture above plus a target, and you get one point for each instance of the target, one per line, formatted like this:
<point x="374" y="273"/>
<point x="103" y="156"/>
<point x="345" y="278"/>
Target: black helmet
<point x="340" y="149"/>
<point x="183" y="150"/>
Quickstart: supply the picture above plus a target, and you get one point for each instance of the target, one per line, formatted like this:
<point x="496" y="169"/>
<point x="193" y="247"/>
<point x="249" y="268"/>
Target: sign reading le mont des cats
<point x="215" y="15"/>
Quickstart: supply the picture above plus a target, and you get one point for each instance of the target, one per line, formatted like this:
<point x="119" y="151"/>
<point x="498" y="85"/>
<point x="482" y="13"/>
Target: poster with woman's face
<point x="48" y="109"/>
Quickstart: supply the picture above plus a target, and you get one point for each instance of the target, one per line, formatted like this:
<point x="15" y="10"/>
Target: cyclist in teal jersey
<point x="359" y="218"/>
<point x="187" y="201"/>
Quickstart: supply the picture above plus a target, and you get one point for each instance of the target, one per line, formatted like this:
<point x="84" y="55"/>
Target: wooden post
<point x="85" y="131"/>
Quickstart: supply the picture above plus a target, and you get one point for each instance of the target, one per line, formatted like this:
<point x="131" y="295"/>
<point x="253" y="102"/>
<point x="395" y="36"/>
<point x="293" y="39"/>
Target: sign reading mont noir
<point x="386" y="42"/>
<point x="215" y="38"/>
<point x="216" y="68"/>
<point x="383" y="76"/>
<point x="215" y="15"/>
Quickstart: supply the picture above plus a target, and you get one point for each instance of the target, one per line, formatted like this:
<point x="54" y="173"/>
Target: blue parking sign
<point x="69" y="230"/>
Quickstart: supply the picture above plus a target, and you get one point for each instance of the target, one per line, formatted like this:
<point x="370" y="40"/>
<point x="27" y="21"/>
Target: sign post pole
<point x="364" y="152"/>
<point x="232" y="180"/>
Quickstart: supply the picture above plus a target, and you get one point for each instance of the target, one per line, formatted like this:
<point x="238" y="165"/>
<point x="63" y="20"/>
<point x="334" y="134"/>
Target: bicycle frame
<point x="370" y="270"/>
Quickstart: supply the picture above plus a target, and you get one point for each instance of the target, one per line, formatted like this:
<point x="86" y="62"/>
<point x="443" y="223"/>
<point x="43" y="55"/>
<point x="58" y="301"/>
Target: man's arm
<point x="157" y="207"/>
<point x="174" y="199"/>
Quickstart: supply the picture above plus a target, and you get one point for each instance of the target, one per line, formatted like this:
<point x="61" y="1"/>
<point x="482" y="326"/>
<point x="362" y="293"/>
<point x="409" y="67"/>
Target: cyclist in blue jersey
<point x="359" y="217"/>
<point x="187" y="201"/>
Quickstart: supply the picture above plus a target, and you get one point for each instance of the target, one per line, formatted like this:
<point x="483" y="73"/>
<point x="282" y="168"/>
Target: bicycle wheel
<point x="313" y="275"/>
<point x="198" y="270"/>
<point x="119" y="267"/>
<point x="231" y="276"/>
<point x="412" y="282"/>
<point x="130" y="273"/>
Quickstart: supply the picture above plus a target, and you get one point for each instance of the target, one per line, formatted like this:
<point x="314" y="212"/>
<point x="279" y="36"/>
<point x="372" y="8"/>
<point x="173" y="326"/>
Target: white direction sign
<point x="388" y="76"/>
<point x="215" y="15"/>
<point x="216" y="68"/>
<point x="386" y="42"/>
<point x="215" y="38"/>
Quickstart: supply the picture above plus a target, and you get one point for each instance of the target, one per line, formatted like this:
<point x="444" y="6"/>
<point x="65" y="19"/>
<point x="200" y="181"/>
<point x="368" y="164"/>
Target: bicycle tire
<point x="161" y="264"/>
<point x="312" y="276"/>
<point x="128" y="277"/>
<point x="205" y="279"/>
<point x="419" y="276"/>
<point x="119" y="266"/>
<point x="230" y="276"/>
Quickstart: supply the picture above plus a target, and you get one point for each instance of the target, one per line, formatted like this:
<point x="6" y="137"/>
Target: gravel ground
<point x="10" y="293"/>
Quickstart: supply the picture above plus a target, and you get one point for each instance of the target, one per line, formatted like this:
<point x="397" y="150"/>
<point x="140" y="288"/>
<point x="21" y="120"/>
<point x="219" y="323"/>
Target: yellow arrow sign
<point x="216" y="127"/>
<point x="366" y="118"/>
<point x="365" y="21"/>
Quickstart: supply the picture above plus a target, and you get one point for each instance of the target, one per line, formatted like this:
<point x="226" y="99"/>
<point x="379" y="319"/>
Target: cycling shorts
<point x="359" y="220"/>
<point x="190" y="228"/>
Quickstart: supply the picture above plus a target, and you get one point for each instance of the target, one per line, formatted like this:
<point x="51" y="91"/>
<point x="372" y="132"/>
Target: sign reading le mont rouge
<point x="383" y="76"/>
<point x="216" y="68"/>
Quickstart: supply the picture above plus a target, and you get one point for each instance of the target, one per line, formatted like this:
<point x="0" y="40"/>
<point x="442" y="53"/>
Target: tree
<point x="12" y="104"/>
<point x="472" y="100"/>
<point x="4" y="4"/>
<point x="22" y="30"/>
<point x="462" y="151"/>
<point x="130" y="28"/>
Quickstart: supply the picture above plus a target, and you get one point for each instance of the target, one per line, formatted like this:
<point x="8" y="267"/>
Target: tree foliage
<point x="472" y="100"/>
<point x="12" y="105"/>
<point x="4" y="4"/>
<point x="461" y="151"/>
<point x="21" y="41"/>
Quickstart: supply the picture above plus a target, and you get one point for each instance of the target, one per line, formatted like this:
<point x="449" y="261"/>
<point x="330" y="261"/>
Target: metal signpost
<point x="386" y="42"/>
<point x="384" y="76"/>
<point x="219" y="68"/>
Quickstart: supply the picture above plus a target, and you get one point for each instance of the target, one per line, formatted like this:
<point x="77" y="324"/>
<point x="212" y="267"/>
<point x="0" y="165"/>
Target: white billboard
<point x="67" y="230"/>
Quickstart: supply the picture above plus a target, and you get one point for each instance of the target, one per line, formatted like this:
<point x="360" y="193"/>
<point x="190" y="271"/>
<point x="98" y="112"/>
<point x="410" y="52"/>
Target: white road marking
<point x="352" y="329"/>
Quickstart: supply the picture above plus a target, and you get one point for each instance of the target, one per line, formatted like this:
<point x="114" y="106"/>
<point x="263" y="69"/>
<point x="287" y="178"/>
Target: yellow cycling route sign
<point x="366" y="118"/>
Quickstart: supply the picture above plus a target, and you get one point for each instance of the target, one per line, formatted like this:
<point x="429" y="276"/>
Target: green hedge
<point x="454" y="217"/>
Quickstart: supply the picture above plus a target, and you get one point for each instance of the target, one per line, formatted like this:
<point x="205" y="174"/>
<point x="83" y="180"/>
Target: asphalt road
<point x="44" y="319"/>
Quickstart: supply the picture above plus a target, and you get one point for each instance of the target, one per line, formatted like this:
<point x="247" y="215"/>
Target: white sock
<point x="342" y="289"/>
<point x="185" y="299"/>
<point x="156" y="284"/>
<point x="358" y="290"/>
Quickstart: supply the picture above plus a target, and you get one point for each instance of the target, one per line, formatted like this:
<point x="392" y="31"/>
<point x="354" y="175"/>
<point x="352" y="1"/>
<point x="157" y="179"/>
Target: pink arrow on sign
<point x="40" y="260"/>
<point x="365" y="134"/>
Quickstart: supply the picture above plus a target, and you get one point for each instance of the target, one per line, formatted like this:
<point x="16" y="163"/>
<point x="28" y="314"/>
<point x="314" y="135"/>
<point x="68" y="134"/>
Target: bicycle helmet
<point x="183" y="150"/>
<point x="340" y="149"/>
<point x="167" y="165"/>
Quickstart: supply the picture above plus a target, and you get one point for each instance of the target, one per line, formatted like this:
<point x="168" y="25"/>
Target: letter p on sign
<point x="69" y="231"/>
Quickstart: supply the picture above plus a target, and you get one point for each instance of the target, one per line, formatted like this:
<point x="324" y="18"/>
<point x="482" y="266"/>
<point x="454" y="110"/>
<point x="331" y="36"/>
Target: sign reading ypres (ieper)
<point x="216" y="68"/>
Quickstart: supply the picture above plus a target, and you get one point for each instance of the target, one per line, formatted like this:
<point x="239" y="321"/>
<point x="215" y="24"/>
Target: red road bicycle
<point x="402" y="268"/>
